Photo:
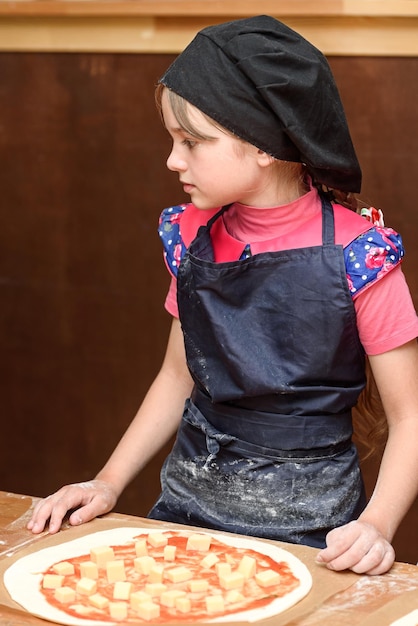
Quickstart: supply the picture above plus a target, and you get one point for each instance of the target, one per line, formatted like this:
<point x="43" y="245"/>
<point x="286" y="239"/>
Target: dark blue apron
<point x="264" y="447"/>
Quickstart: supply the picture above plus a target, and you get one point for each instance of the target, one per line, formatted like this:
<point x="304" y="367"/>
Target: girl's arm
<point x="364" y="545"/>
<point x="156" y="421"/>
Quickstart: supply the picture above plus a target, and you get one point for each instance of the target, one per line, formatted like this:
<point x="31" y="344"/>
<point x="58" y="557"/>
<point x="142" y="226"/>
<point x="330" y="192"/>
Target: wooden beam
<point x="337" y="27"/>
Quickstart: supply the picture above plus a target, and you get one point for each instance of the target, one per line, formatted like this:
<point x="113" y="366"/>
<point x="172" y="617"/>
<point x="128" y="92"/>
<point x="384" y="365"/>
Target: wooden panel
<point x="83" y="179"/>
<point x="334" y="35"/>
<point x="187" y="8"/>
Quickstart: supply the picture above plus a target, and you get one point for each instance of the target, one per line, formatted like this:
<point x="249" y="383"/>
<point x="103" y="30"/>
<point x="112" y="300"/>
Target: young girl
<point x="278" y="293"/>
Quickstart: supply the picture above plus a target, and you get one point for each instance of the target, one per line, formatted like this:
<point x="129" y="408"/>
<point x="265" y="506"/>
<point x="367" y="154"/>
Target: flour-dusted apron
<point x="264" y="447"/>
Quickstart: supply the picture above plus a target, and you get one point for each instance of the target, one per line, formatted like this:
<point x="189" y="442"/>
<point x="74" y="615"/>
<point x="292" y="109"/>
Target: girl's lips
<point x="187" y="187"/>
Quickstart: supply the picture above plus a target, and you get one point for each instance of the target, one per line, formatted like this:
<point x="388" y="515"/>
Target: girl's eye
<point x="189" y="143"/>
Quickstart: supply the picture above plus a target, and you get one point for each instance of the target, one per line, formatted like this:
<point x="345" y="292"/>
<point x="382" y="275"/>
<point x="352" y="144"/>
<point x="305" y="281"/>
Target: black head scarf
<point x="265" y="83"/>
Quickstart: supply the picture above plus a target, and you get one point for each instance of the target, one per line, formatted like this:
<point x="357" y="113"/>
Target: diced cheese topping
<point x="155" y="589"/>
<point x="101" y="555"/>
<point x="141" y="548"/>
<point x="156" y="574"/>
<point x="247" y="566"/>
<point x="267" y="578"/>
<point x="215" y="604"/>
<point x="233" y="596"/>
<point x="179" y="574"/>
<point x="64" y="568"/>
<point x="209" y="561"/>
<point x="183" y="604"/>
<point x="198" y="585"/>
<point x="122" y="590"/>
<point x="98" y="601"/>
<point x="52" y="581"/>
<point x="199" y="542"/>
<point x="157" y="540"/>
<point x="170" y="553"/>
<point x="115" y="571"/>
<point x="118" y="610"/>
<point x="148" y="610"/>
<point x="88" y="569"/>
<point x="169" y="597"/>
<point x="138" y="597"/>
<point x="65" y="595"/>
<point x="144" y="564"/>
<point x="233" y="580"/>
<point x="86" y="586"/>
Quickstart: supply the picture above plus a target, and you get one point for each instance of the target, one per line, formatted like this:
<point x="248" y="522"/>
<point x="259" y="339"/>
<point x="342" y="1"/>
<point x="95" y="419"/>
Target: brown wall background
<point x="82" y="281"/>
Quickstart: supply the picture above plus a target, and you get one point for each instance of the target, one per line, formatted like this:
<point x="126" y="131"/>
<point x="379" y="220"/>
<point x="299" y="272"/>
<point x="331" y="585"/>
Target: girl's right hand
<point x="86" y="501"/>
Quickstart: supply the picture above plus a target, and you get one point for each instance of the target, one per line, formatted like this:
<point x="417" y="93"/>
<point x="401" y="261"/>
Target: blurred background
<point x="82" y="182"/>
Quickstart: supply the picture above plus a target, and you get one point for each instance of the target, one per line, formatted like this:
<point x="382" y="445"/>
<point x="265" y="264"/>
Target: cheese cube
<point x="233" y="580"/>
<point x="169" y="597"/>
<point x="157" y="540"/>
<point x="234" y="596"/>
<point x="122" y="590"/>
<point x="170" y="553"/>
<point x="98" y="601"/>
<point x="198" y="585"/>
<point x="155" y="589"/>
<point x="183" y="604"/>
<point x="179" y="574"/>
<point x="144" y="564"/>
<point x="209" y="561"/>
<point x="215" y="604"/>
<point x="64" y="568"/>
<point x="52" y="581"/>
<point x="247" y="566"/>
<point x="101" y="555"/>
<point x="81" y="609"/>
<point x="156" y="574"/>
<point x="148" y="611"/>
<point x="141" y="548"/>
<point x="199" y="542"/>
<point x="118" y="610"/>
<point x="115" y="571"/>
<point x="88" y="569"/>
<point x="222" y="568"/>
<point x="138" y="597"/>
<point x="86" y="586"/>
<point x="267" y="578"/>
<point x="65" y="595"/>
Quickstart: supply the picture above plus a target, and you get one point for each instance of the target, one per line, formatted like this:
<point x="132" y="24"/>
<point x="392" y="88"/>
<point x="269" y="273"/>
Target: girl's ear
<point x="264" y="159"/>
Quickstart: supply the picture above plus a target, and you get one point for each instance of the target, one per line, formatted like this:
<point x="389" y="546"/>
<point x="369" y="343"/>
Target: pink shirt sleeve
<point x="386" y="317"/>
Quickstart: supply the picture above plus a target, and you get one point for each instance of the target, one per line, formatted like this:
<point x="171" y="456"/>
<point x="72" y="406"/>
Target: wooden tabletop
<point x="343" y="599"/>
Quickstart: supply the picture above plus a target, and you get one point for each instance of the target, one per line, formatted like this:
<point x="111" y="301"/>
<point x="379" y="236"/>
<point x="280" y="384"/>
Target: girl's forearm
<point x="397" y="484"/>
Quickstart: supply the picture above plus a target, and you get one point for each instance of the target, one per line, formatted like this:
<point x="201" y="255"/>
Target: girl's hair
<point x="370" y="426"/>
<point x="369" y="419"/>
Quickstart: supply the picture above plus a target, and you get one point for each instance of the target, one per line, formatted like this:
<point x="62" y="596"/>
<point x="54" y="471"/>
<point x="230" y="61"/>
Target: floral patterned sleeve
<point x="371" y="256"/>
<point x="169" y="232"/>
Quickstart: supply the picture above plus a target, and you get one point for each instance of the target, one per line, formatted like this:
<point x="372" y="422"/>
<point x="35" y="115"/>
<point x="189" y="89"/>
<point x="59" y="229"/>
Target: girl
<point x="277" y="295"/>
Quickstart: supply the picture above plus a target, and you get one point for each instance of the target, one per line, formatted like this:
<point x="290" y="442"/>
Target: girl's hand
<point x="357" y="546"/>
<point x="88" y="500"/>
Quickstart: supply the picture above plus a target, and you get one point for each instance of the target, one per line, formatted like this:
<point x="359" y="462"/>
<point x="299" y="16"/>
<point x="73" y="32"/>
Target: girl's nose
<point x="175" y="163"/>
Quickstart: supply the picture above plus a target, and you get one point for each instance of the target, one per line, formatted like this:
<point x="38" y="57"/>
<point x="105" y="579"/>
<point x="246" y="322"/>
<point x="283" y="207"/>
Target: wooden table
<point x="336" y="599"/>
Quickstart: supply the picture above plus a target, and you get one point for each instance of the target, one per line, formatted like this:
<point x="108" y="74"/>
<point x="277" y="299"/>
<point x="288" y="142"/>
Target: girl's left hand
<point x="357" y="546"/>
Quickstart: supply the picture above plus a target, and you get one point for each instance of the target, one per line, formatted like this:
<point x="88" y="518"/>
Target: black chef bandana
<point x="265" y="83"/>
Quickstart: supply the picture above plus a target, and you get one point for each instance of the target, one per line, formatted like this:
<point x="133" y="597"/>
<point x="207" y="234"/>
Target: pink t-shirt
<point x="386" y="317"/>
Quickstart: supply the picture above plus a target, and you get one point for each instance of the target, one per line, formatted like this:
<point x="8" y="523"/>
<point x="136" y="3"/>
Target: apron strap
<point x="328" y="227"/>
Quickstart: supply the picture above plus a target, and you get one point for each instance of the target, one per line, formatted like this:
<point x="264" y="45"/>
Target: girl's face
<point x="219" y="170"/>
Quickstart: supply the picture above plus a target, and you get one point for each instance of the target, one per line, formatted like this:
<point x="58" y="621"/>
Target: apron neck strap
<point x="328" y="229"/>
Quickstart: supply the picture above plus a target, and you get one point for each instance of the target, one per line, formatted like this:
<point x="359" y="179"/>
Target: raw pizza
<point x="131" y="575"/>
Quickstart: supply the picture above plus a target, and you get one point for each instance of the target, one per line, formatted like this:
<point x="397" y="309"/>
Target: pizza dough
<point x="248" y="587"/>
<point x="407" y="620"/>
